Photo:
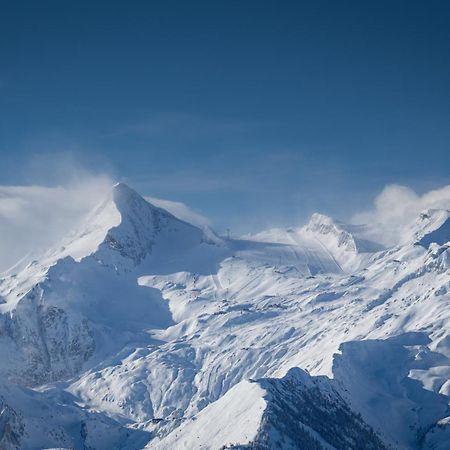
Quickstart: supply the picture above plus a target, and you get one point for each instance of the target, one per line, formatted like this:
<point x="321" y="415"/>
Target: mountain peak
<point x="319" y="220"/>
<point x="326" y="227"/>
<point x="432" y="225"/>
<point x="121" y="186"/>
<point x="127" y="224"/>
<point x="140" y="224"/>
<point x="122" y="190"/>
<point x="124" y="197"/>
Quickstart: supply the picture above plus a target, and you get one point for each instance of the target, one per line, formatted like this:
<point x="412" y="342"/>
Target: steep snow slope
<point x="60" y="312"/>
<point x="300" y="250"/>
<point x="347" y="243"/>
<point x="38" y="420"/>
<point x="378" y="380"/>
<point x="148" y="320"/>
<point x="296" y="411"/>
<point x="327" y="246"/>
<point x="233" y="419"/>
<point x="433" y="225"/>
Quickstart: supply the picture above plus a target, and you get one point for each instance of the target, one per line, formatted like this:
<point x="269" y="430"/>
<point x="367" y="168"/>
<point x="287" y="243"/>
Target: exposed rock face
<point x="308" y="413"/>
<point x="296" y="412"/>
<point x="49" y="343"/>
<point x="12" y="427"/>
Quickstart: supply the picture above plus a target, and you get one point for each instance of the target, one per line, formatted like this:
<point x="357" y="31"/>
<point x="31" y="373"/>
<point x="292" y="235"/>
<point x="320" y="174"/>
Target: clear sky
<point x="255" y="113"/>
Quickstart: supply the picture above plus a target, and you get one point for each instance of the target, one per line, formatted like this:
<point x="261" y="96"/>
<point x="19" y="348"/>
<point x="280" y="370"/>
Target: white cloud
<point x="180" y="210"/>
<point x="397" y="206"/>
<point x="34" y="218"/>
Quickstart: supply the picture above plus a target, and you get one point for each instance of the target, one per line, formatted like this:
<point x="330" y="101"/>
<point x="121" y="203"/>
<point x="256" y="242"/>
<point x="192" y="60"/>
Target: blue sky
<point x="256" y="113"/>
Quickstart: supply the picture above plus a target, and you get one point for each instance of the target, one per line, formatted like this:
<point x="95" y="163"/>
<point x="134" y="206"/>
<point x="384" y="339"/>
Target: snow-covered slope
<point x="233" y="419"/>
<point x="432" y="225"/>
<point x="152" y="327"/>
<point x="294" y="412"/>
<point x="381" y="380"/>
<point x="52" y="418"/>
<point x="61" y="311"/>
<point x="347" y="243"/>
<point x="326" y="245"/>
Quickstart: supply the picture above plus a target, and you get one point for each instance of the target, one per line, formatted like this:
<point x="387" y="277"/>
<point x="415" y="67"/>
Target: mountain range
<point x="140" y="330"/>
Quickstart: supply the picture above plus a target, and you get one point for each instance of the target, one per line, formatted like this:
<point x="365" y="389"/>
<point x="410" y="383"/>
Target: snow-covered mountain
<point x="295" y="411"/>
<point x="141" y="330"/>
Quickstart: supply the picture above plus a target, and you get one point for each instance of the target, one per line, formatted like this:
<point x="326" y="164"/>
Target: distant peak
<point x="322" y="223"/>
<point x="319" y="217"/>
<point x="337" y="234"/>
<point x="429" y="214"/>
<point x="432" y="225"/>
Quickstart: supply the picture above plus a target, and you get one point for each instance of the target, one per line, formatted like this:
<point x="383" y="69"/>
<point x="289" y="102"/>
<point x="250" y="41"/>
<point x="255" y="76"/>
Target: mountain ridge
<point x="151" y="320"/>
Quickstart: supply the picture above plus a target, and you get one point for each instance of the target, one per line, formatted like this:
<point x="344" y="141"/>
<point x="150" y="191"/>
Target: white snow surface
<point x="152" y="326"/>
<point x="233" y="419"/>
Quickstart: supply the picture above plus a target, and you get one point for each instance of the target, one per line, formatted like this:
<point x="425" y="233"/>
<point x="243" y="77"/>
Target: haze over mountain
<point x="141" y="330"/>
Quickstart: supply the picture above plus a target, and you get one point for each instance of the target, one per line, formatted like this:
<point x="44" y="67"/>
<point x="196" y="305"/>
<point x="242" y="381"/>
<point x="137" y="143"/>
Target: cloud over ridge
<point x="397" y="206"/>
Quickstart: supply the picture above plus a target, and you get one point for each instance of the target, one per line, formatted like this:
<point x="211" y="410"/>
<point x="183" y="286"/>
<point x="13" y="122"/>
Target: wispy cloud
<point x="189" y="126"/>
<point x="181" y="210"/>
<point x="34" y="218"/>
<point x="397" y="206"/>
<point x="191" y="181"/>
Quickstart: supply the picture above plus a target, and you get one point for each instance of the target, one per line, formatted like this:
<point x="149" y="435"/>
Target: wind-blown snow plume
<point x="33" y="218"/>
<point x="397" y="206"/>
<point x="181" y="211"/>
